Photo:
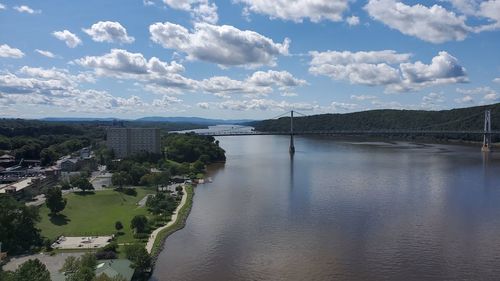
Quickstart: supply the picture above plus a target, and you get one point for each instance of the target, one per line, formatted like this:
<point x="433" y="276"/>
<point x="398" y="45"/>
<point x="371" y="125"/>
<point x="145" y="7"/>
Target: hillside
<point x="471" y="118"/>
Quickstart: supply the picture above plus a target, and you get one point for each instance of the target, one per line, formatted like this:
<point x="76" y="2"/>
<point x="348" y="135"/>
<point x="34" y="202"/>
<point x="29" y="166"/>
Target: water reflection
<point x="341" y="211"/>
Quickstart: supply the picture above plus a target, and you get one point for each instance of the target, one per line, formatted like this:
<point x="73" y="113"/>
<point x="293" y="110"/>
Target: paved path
<point x="152" y="237"/>
<point x="144" y="200"/>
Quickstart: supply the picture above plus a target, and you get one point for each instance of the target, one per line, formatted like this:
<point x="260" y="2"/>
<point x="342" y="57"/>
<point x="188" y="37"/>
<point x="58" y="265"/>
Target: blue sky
<point x="245" y="58"/>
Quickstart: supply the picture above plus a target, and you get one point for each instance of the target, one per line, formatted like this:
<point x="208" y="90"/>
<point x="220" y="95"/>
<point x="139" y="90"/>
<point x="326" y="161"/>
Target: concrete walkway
<point x="152" y="237"/>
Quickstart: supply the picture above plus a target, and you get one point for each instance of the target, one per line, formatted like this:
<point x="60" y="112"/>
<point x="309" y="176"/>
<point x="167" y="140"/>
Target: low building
<point x="25" y="188"/>
<point x="69" y="164"/>
<point x="7" y="160"/>
<point x="112" y="268"/>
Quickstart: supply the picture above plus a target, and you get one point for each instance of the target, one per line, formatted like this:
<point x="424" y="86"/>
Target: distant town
<point x="94" y="197"/>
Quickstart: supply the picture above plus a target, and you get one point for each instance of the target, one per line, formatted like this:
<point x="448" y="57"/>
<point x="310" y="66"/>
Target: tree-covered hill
<point x="471" y="118"/>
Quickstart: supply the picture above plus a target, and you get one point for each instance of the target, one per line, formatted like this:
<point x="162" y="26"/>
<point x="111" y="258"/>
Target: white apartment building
<point x="128" y="141"/>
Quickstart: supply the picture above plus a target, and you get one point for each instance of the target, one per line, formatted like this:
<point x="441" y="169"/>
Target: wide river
<point x="341" y="210"/>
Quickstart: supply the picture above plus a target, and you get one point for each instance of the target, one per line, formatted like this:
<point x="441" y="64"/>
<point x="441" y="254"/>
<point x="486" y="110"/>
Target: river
<point x="341" y="210"/>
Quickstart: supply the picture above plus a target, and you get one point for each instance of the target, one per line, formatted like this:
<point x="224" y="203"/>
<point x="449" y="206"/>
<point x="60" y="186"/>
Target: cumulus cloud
<point x="7" y="51"/>
<point x="60" y="89"/>
<point x="444" y="69"/>
<point x="126" y="65"/>
<point x="148" y="2"/>
<point x="433" y="24"/>
<point x="496" y="80"/>
<point x="166" y="78"/>
<point x="224" y="45"/>
<point x="201" y="10"/>
<point x="26" y="9"/>
<point x="487" y="93"/>
<point x="69" y="38"/>
<point x="352" y="20"/>
<point x="259" y="83"/>
<point x="387" y="68"/>
<point x="109" y="31"/>
<point x="298" y="10"/>
<point x="45" y="53"/>
<point x="2" y="7"/>
<point x="366" y="68"/>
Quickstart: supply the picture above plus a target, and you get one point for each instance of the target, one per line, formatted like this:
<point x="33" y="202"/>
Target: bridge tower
<point x="292" y="146"/>
<point x="487" y="131"/>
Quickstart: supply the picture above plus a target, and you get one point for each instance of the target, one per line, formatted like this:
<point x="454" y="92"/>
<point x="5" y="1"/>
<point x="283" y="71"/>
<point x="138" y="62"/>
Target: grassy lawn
<point x="94" y="214"/>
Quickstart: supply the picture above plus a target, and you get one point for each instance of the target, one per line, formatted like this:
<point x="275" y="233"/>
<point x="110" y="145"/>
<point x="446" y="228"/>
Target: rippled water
<point x="341" y="211"/>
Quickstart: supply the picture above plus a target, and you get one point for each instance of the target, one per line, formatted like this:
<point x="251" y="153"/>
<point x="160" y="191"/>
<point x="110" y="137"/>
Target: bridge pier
<point x="487" y="132"/>
<point x="291" y="149"/>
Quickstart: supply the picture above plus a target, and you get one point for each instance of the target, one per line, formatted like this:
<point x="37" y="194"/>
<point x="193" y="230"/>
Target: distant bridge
<point x="486" y="133"/>
<point x="345" y="132"/>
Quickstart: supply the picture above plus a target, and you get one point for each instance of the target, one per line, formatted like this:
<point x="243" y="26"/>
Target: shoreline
<point x="161" y="235"/>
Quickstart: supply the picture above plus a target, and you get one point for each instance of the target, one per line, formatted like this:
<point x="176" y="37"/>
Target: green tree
<point x="54" y="200"/>
<point x="80" y="269"/>
<point x="32" y="270"/>
<point x="139" y="223"/>
<point x="17" y="226"/>
<point x="118" y="226"/>
<point x="83" y="184"/>
<point x="140" y="258"/>
<point x="119" y="179"/>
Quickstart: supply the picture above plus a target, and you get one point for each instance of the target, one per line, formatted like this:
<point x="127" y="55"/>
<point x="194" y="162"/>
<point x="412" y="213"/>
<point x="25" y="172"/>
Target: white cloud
<point x="259" y="83"/>
<point x="491" y="10"/>
<point x="342" y="106"/>
<point x="298" y="10"/>
<point x="366" y="68"/>
<point x="352" y="20"/>
<point x="387" y="68"/>
<point x="465" y="99"/>
<point x="109" y="31"/>
<point x="224" y="45"/>
<point x="487" y="93"/>
<point x="467" y="7"/>
<point x="433" y="98"/>
<point x="60" y="89"/>
<point x="444" y="69"/>
<point x="158" y="76"/>
<point x="496" y="80"/>
<point x="201" y="10"/>
<point x="7" y="51"/>
<point x="45" y="53"/>
<point x="434" y="24"/>
<point x="120" y="61"/>
<point x="203" y="105"/>
<point x="148" y="2"/>
<point x="259" y="104"/>
<point x="26" y="9"/>
<point x="362" y="97"/>
<point x="2" y="7"/>
<point x="69" y="38"/>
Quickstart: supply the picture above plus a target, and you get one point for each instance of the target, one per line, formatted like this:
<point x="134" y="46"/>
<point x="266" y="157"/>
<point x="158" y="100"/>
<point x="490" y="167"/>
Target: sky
<point x="245" y="58"/>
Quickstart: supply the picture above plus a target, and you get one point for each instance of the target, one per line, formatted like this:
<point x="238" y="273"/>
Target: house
<point x="7" y="160"/>
<point x="111" y="268"/>
<point x="69" y="164"/>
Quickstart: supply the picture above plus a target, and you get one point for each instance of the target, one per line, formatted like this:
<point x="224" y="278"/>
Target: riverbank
<point x="177" y="223"/>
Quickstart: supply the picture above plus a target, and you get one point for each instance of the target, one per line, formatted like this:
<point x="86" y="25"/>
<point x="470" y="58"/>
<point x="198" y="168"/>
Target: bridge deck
<point x="354" y="132"/>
